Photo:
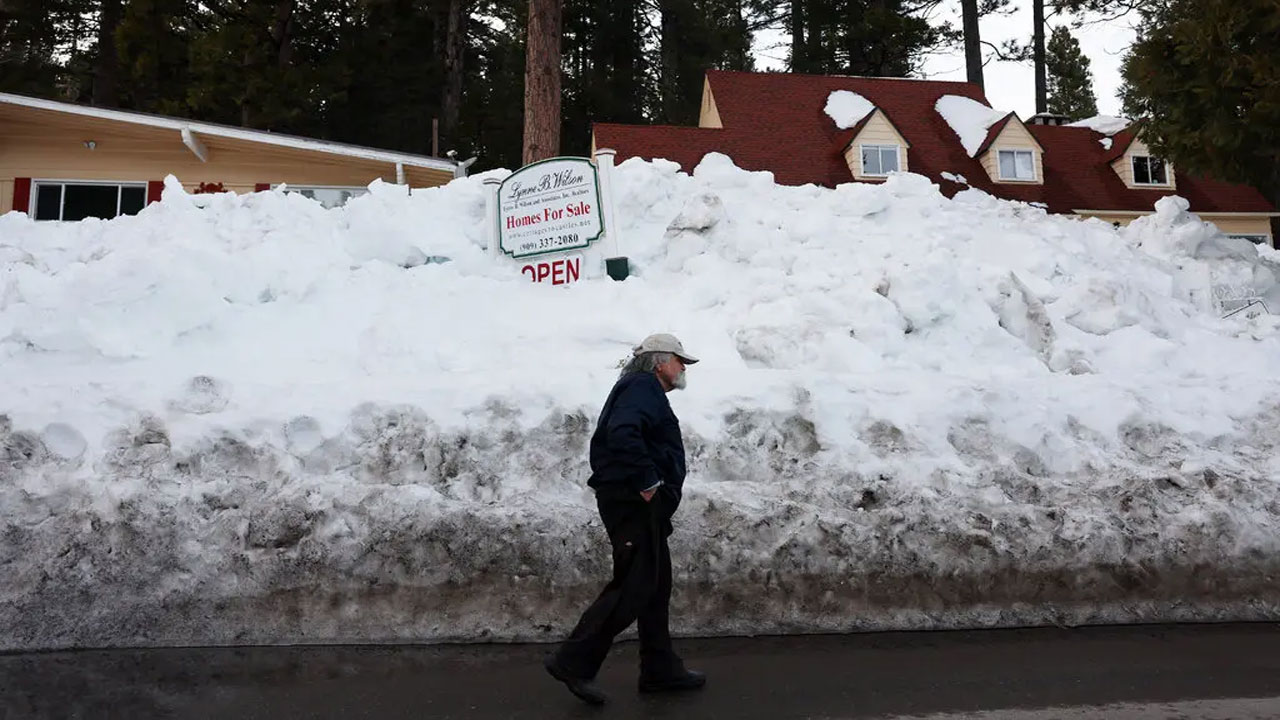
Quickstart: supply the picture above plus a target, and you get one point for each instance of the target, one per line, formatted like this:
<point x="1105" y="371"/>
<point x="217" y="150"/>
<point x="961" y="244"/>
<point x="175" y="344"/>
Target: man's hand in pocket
<point x="648" y="494"/>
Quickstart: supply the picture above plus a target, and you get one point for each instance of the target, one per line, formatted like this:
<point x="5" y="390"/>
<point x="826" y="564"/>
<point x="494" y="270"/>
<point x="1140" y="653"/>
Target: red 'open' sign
<point x="558" y="271"/>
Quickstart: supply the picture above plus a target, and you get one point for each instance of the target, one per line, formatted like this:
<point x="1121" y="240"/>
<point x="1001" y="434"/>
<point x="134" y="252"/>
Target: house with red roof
<point x="828" y="130"/>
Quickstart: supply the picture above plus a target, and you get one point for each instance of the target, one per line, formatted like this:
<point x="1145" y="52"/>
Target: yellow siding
<point x="51" y="146"/>
<point x="708" y="116"/>
<point x="877" y="131"/>
<point x="1241" y="225"/>
<point x="1014" y="136"/>
<point x="1124" y="167"/>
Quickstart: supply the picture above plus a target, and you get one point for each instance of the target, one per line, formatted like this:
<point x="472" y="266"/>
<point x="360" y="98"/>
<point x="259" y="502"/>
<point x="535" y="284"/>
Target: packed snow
<point x="1105" y="124"/>
<point x="251" y="419"/>
<point x="955" y="178"/>
<point x="847" y="108"/>
<point x="1106" y="143"/>
<point x="969" y="119"/>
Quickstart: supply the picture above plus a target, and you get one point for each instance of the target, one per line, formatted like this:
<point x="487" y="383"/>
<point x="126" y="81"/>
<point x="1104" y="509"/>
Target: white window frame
<point x="1133" y="168"/>
<point x="1014" y="152"/>
<point x="290" y="187"/>
<point x="62" y="201"/>
<point x="897" y="149"/>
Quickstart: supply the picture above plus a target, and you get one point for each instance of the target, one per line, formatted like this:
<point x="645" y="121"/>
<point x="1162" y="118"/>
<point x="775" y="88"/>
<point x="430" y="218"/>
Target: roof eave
<point x="258" y="136"/>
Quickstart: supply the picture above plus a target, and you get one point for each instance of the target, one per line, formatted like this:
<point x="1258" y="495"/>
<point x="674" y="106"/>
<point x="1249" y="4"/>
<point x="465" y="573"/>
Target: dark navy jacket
<point x="637" y="440"/>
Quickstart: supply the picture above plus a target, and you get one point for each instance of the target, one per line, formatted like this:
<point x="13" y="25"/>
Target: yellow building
<point x="61" y="161"/>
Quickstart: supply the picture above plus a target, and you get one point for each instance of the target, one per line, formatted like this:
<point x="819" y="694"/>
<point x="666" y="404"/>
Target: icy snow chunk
<point x="1105" y="124"/>
<point x="718" y="169"/>
<point x="969" y="119"/>
<point x="1106" y="143"/>
<point x="202" y="395"/>
<point x="302" y="435"/>
<point x="63" y="441"/>
<point x="700" y="213"/>
<point x="1024" y="316"/>
<point x="847" y="108"/>
<point x="955" y="178"/>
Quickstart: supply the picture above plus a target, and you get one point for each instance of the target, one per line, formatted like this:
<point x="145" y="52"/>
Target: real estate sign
<point x="550" y="206"/>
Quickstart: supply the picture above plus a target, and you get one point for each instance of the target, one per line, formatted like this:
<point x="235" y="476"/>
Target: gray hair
<point x="644" y="362"/>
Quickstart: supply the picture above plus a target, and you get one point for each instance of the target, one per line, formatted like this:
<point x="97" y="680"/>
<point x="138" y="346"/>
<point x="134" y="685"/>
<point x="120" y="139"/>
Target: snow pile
<point x="1104" y="124"/>
<point x="969" y="119"/>
<point x="847" y="108"/>
<point x="254" y="420"/>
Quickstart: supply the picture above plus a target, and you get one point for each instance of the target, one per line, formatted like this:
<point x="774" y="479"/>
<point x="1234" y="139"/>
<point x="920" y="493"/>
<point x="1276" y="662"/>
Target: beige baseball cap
<point x="666" y="343"/>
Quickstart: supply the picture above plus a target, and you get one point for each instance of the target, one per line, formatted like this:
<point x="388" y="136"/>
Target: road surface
<point x="1135" y="673"/>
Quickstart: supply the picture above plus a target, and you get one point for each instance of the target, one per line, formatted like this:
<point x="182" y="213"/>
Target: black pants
<point x="640" y="590"/>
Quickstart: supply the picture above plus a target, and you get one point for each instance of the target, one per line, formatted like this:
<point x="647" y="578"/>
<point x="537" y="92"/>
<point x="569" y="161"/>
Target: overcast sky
<point x="1009" y="86"/>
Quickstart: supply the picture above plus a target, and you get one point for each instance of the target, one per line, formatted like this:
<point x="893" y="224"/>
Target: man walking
<point x="637" y="472"/>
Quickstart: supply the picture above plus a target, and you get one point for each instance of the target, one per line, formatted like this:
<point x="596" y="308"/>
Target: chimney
<point x="1048" y="119"/>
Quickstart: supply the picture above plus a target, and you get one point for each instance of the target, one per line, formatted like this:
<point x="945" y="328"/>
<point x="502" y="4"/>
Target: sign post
<point x="616" y="264"/>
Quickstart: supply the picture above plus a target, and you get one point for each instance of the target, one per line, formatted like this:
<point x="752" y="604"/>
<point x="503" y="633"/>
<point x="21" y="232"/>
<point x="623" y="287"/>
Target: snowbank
<point x="969" y="119"/>
<point x="1104" y="124"/>
<point x="253" y="420"/>
<point x="847" y="108"/>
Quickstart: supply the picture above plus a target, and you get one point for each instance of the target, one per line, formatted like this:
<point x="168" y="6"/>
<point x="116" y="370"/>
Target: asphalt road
<point x="1157" y="672"/>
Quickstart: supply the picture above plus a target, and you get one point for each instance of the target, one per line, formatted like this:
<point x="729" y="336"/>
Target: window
<point x="1017" y="165"/>
<point x="329" y="197"/>
<point x="1149" y="171"/>
<point x="879" y="159"/>
<point x="1257" y="239"/>
<point x="69" y="200"/>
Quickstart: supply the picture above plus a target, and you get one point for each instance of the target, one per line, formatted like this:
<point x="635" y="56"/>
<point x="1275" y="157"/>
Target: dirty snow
<point x="969" y="119"/>
<point x="847" y="108"/>
<point x="1105" y="124"/>
<point x="249" y="419"/>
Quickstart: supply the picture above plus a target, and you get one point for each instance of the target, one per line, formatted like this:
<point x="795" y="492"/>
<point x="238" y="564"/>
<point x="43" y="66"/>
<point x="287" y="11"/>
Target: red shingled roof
<point x="775" y="122"/>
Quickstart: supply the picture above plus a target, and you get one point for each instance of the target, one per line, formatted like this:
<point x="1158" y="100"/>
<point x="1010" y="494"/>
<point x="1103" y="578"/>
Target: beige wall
<point x="708" y="116"/>
<point x="877" y="131"/>
<point x="1229" y="224"/>
<point x="50" y="146"/>
<point x="1014" y="136"/>
<point x="1124" y="167"/>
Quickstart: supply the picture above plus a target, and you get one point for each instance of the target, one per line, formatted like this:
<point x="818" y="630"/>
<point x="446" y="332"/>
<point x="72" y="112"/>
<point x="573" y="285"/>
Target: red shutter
<point x="261" y="187"/>
<point x="22" y="194"/>
<point x="154" y="189"/>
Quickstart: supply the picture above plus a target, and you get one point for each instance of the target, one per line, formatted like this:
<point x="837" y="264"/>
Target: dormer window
<point x="1149" y="170"/>
<point x="879" y="160"/>
<point x="1017" y="165"/>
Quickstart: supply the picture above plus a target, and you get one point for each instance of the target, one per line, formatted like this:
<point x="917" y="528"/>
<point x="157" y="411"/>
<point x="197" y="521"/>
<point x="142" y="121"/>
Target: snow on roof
<point x="1106" y="143"/>
<point x="1105" y="124"/>
<point x="847" y="108"/>
<point x="969" y="119"/>
<point x="236" y="133"/>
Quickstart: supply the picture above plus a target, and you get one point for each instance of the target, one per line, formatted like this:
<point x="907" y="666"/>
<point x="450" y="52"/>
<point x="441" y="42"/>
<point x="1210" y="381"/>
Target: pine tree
<point x="886" y="38"/>
<point x="1070" y="80"/>
<point x="1205" y="74"/>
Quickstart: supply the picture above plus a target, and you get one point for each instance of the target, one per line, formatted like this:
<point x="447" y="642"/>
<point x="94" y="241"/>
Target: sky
<point x="1009" y="86"/>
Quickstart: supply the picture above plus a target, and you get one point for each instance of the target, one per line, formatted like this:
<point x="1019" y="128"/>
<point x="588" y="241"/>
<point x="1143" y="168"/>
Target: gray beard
<point x="679" y="383"/>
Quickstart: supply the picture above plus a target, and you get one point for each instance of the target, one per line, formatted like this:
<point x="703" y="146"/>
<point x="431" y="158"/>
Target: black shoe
<point x="686" y="680"/>
<point x="585" y="690"/>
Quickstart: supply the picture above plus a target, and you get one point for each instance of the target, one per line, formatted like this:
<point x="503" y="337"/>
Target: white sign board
<point x="549" y="206"/>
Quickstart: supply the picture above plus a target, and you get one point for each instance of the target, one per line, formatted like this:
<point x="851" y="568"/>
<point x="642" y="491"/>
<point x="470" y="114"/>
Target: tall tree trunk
<point x="542" y="81"/>
<point x="972" y="42"/>
<point x="798" y="46"/>
<point x="451" y="102"/>
<point x="106" y="71"/>
<point x="1037" y="17"/>
<point x="282" y="32"/>
<point x="670" y="55"/>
